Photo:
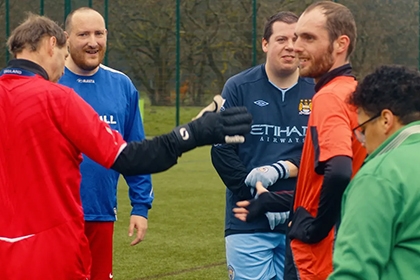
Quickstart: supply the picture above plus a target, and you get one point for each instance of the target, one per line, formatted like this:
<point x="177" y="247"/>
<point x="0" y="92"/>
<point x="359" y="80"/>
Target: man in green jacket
<point x="379" y="235"/>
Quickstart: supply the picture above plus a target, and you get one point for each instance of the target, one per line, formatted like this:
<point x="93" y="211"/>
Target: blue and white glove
<point x="267" y="174"/>
<point x="276" y="218"/>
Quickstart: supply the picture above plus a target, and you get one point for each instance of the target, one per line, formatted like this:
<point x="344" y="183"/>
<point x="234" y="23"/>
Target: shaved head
<point x="81" y="12"/>
<point x="87" y="37"/>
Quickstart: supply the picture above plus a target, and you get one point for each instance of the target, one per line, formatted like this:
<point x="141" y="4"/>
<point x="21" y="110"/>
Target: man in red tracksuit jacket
<point x="45" y="127"/>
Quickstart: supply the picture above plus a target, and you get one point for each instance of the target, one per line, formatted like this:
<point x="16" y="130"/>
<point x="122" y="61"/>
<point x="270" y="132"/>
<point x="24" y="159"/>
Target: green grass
<point x="158" y="120"/>
<point x="185" y="236"/>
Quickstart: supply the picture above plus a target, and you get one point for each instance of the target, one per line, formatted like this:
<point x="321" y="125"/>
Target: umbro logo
<point x="261" y="103"/>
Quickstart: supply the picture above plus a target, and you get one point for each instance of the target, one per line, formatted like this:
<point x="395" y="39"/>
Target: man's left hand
<point x="139" y="223"/>
<point x="268" y="174"/>
<point x="300" y="226"/>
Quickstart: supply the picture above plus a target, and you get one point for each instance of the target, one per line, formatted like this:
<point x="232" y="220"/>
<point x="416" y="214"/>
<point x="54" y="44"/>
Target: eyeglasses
<point x="359" y="132"/>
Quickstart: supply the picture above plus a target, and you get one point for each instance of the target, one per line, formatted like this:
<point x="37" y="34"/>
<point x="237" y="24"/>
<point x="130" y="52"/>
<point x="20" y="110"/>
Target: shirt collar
<point x="29" y="66"/>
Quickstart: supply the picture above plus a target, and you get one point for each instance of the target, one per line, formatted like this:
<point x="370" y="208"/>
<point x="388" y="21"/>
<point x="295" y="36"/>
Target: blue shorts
<point x="255" y="256"/>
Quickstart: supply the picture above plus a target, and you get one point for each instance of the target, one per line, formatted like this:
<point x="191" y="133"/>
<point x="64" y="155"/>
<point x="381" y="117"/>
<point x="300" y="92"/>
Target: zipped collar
<point x="344" y="70"/>
<point x="29" y="66"/>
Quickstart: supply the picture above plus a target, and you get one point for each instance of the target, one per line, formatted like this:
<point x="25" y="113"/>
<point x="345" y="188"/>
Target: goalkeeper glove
<point x="228" y="126"/>
<point x="276" y="218"/>
<point x="267" y="174"/>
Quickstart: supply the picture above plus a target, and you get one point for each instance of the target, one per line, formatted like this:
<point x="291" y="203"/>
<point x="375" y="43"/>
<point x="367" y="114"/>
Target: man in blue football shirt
<point x="280" y="102"/>
<point x="114" y="97"/>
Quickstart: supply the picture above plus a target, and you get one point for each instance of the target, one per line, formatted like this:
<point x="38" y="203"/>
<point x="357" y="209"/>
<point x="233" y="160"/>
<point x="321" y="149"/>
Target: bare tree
<point x="386" y="30"/>
<point x="216" y="39"/>
<point x="145" y="40"/>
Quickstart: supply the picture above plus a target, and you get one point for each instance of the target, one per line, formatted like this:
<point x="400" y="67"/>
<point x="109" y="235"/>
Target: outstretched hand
<point x="228" y="126"/>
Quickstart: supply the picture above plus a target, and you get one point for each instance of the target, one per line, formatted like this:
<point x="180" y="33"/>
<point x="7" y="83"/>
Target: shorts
<point x="100" y="236"/>
<point x="253" y="256"/>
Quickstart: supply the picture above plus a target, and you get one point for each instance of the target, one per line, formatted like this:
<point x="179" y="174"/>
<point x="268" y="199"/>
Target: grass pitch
<point x="185" y="236"/>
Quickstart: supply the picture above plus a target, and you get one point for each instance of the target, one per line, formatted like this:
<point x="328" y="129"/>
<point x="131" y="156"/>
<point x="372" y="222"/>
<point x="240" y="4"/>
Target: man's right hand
<point x="228" y="126"/>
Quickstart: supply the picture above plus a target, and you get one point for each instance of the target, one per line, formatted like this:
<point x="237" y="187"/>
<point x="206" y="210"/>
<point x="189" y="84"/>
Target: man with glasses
<point x="384" y="196"/>
<point x="359" y="131"/>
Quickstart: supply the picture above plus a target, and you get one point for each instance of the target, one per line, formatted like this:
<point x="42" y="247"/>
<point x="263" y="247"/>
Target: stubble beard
<point x="319" y="66"/>
<point x="81" y="62"/>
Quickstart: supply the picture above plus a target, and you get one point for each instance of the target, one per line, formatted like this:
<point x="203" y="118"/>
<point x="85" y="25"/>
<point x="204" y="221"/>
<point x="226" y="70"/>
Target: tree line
<point x="216" y="39"/>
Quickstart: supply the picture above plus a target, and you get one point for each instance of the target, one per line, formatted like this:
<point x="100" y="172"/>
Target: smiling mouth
<point x="288" y="56"/>
<point x="92" y="51"/>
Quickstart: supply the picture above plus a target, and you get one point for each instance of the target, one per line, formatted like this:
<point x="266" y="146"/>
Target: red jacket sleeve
<point x="88" y="133"/>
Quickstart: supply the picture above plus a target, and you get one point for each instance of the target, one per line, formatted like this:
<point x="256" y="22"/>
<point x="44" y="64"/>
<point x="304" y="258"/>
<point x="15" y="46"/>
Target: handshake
<point x="266" y="176"/>
<point x="213" y="126"/>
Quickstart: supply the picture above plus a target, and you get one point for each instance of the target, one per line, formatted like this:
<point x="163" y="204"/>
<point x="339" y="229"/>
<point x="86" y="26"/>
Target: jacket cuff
<point x="301" y="222"/>
<point x="140" y="210"/>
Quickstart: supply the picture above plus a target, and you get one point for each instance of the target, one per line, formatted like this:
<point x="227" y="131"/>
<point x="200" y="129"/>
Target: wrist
<point x="185" y="138"/>
<point x="140" y="210"/>
<point x="282" y="168"/>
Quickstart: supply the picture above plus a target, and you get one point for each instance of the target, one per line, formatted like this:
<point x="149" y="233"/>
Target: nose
<point x="297" y="46"/>
<point x="289" y="45"/>
<point x="92" y="41"/>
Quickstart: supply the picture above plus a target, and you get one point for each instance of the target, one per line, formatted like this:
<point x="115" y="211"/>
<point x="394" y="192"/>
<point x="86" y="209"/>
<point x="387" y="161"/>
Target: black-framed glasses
<point x="359" y="132"/>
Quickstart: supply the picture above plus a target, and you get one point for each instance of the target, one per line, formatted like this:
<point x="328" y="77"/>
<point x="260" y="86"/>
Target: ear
<point x="264" y="45"/>
<point x="342" y="44"/>
<point x="52" y="43"/>
<point x="388" y="121"/>
<point x="67" y="35"/>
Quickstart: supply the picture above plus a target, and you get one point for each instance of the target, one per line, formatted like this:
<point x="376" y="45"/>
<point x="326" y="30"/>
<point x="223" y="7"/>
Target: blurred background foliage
<point x="217" y="38"/>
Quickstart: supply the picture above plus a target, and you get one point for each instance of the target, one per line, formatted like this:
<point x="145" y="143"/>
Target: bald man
<point x="114" y="97"/>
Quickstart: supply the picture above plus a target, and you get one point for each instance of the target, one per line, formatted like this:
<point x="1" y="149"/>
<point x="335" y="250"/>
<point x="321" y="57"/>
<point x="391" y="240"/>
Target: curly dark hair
<point x="392" y="87"/>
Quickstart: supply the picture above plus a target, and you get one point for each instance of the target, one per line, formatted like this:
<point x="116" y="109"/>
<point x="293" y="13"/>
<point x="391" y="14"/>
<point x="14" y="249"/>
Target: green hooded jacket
<point x="379" y="234"/>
